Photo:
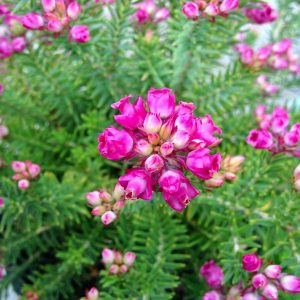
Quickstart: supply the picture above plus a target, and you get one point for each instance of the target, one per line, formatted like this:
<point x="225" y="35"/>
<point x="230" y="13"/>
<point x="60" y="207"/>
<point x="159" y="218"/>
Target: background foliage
<point x="57" y="99"/>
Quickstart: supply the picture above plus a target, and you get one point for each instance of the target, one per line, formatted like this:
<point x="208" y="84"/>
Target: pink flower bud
<point x="260" y="139"/>
<point x="291" y="138"/>
<point x="118" y="257"/>
<point x="229" y="5"/>
<point x="48" y="5"/>
<point x="166" y="149"/>
<point x="23" y="184"/>
<point x="282" y="46"/>
<point x="129" y="258"/>
<point x="34" y="170"/>
<point x="18" y="166"/>
<point x="79" y="34"/>
<point x="215" y="182"/>
<point x="166" y="129"/>
<point x="153" y="138"/>
<point x="270" y="292"/>
<point x="212" y="9"/>
<point x="3" y="131"/>
<point x="33" y="21"/>
<point x="250" y="296"/>
<point x="123" y="268"/>
<point x="98" y="211"/>
<point x="92" y="294"/>
<point x="55" y="26"/>
<point x="270" y="88"/>
<point x="114" y="269"/>
<point x="290" y="284"/>
<point x="191" y="10"/>
<point x="73" y="10"/>
<point x="115" y="144"/>
<point x="152" y="123"/>
<point x="108" y="256"/>
<point x="273" y="271"/>
<point x="108" y="217"/>
<point x="230" y="176"/>
<point x="259" y="281"/>
<point x="297" y="172"/>
<point x="251" y="262"/>
<point x="6" y="49"/>
<point x="212" y="274"/>
<point x="261" y="79"/>
<point x="93" y="198"/>
<point x="143" y="147"/>
<point x="154" y="163"/>
<point x="161" y="14"/>
<point x="19" y="44"/>
<point x="118" y="191"/>
<point x="180" y="139"/>
<point x="212" y="295"/>
<point x="1" y="202"/>
<point x="161" y="102"/>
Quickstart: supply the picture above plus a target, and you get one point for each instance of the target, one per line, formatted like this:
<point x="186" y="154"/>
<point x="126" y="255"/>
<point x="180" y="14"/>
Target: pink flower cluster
<point x="278" y="56"/>
<point x="12" y="33"/>
<point x="209" y="8"/>
<point x="230" y="166"/>
<point x="296" y="178"/>
<point x="92" y="294"/>
<point x="266" y="87"/>
<point x="57" y="16"/>
<point x="148" y="12"/>
<point x="265" y="282"/>
<point x="25" y="171"/>
<point x="116" y="262"/>
<point x="161" y="140"/>
<point x="273" y="133"/>
<point x="260" y="13"/>
<point x="106" y="205"/>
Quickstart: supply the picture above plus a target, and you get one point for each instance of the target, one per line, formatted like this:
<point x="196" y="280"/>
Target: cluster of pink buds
<point x="265" y="282"/>
<point x="230" y="166"/>
<point x="260" y="13"/>
<point x="161" y="140"/>
<point x="106" y="205"/>
<point x="92" y="294"/>
<point x="3" y="130"/>
<point x="117" y="263"/>
<point x="25" y="171"/>
<point x="273" y="133"/>
<point x="296" y="178"/>
<point x="278" y="56"/>
<point x="266" y="87"/>
<point x="12" y="33"/>
<point x="148" y="12"/>
<point x="57" y="17"/>
<point x="209" y="8"/>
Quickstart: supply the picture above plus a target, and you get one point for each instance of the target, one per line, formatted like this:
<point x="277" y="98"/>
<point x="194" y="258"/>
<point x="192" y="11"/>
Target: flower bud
<point x="154" y="163"/>
<point x="191" y="10"/>
<point x="153" y="138"/>
<point x="18" y="44"/>
<point x="161" y="14"/>
<point x="229" y="176"/>
<point x="18" y="166"/>
<point x="105" y="196"/>
<point x="143" y="147"/>
<point x="152" y="123"/>
<point x="250" y="296"/>
<point x="79" y="34"/>
<point x="98" y="211"/>
<point x="108" y="256"/>
<point x="48" y="5"/>
<point x="118" y="205"/>
<point x="259" y="281"/>
<point x="290" y="284"/>
<point x="93" y="198"/>
<point x="118" y="257"/>
<point x="270" y="292"/>
<point x="166" y="149"/>
<point x="55" y="26"/>
<point x="251" y="262"/>
<point x="33" y="21"/>
<point x="180" y="139"/>
<point x="129" y="258"/>
<point x="34" y="170"/>
<point x="108" y="217"/>
<point x="118" y="191"/>
<point x="1" y="204"/>
<point x="212" y="295"/>
<point x="273" y="271"/>
<point x="23" y="184"/>
<point x="92" y="294"/>
<point x="229" y="5"/>
<point x="73" y="10"/>
<point x="114" y="269"/>
<point x="123" y="268"/>
<point x="3" y="131"/>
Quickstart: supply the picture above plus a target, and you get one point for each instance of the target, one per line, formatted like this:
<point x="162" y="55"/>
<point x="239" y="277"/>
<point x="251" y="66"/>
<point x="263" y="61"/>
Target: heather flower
<point x="212" y="274"/>
<point x="273" y="271"/>
<point x="270" y="292"/>
<point x="290" y="284"/>
<point x="129" y="258"/>
<point x="259" y="281"/>
<point x="251" y="262"/>
<point x="79" y="34"/>
<point x="260" y="139"/>
<point x="261" y="13"/>
<point x="191" y="10"/>
<point x="212" y="295"/>
<point x="92" y="294"/>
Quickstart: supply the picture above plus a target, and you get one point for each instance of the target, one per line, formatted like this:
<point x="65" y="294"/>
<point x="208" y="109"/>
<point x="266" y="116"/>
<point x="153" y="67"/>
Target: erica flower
<point x="290" y="283"/>
<point x="251" y="262"/>
<point x="212" y="273"/>
<point x="212" y="295"/>
<point x="191" y="10"/>
<point x="273" y="271"/>
<point x="260" y="139"/>
<point x="261" y="13"/>
<point x="92" y="294"/>
<point x="259" y="281"/>
<point x="162" y="141"/>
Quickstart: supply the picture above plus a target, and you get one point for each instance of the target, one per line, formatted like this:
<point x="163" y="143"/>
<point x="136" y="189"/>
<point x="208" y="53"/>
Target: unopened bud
<point x="143" y="147"/>
<point x="92" y="294"/>
<point x="73" y="10"/>
<point x="98" y="211"/>
<point x="23" y="184"/>
<point x="123" y="268"/>
<point x="105" y="196"/>
<point x="153" y="138"/>
<point x="230" y="176"/>
<point x="166" y="149"/>
<point x="108" y="217"/>
<point x="108" y="256"/>
<point x="215" y="182"/>
<point x="129" y="258"/>
<point x="114" y="269"/>
<point x="118" y="257"/>
<point x="93" y="198"/>
<point x="118" y="191"/>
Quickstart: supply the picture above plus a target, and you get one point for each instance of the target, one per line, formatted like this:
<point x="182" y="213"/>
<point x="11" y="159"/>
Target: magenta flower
<point x="229" y="5"/>
<point x="262" y="13"/>
<point x="212" y="274"/>
<point x="260" y="139"/>
<point x="79" y="34"/>
<point x="191" y="10"/>
<point x="55" y="26"/>
<point x="19" y="44"/>
<point x="129" y="258"/>
<point x="33" y="21"/>
<point x="6" y="49"/>
<point x="283" y="46"/>
<point x="251" y="262"/>
<point x="115" y="144"/>
<point x="259" y="281"/>
<point x="290" y="284"/>
<point x="74" y="10"/>
<point x="270" y="292"/>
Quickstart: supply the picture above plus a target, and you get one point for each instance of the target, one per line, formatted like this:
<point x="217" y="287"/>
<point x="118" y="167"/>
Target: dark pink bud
<point x="259" y="281"/>
<point x="108" y="217"/>
<point x="79" y="34"/>
<point x="191" y="10"/>
<point x="33" y="21"/>
<point x="19" y="44"/>
<point x="23" y="184"/>
<point x="212" y="274"/>
<point x="6" y="49"/>
<point x="129" y="258"/>
<point x="251" y="262"/>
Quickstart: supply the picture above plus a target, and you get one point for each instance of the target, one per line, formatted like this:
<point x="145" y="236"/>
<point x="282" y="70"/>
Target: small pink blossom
<point x="270" y="292"/>
<point x="33" y="21"/>
<point x="108" y="217"/>
<point x="212" y="295"/>
<point x="23" y="184"/>
<point x="92" y="294"/>
<point x="229" y="5"/>
<point x="129" y="258"/>
<point x="212" y="273"/>
<point x="74" y="10"/>
<point x="108" y="256"/>
<point x="191" y="10"/>
<point x="259" y="281"/>
<point x="290" y="284"/>
<point x="79" y="34"/>
<point x="251" y="262"/>
<point x="273" y="271"/>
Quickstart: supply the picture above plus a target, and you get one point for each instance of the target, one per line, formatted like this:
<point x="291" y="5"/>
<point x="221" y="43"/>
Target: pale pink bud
<point x="166" y="129"/>
<point x="180" y="139"/>
<point x="1" y="202"/>
<point x="23" y="184"/>
<point x="114" y="269"/>
<point x="18" y="44"/>
<point x="154" y="163"/>
<point x="215" y="182"/>
<point x="153" y="138"/>
<point x="261" y="79"/>
<point x="212" y="295"/>
<point x="123" y="268"/>
<point x="129" y="258"/>
<point x="92" y="294"/>
<point x="79" y="34"/>
<point x="166" y="149"/>
<point x="118" y="191"/>
<point x="270" y="292"/>
<point x="259" y="281"/>
<point x="152" y="123"/>
<point x="191" y="10"/>
<point x="3" y="131"/>
<point x="161" y="14"/>
<point x="229" y="5"/>
<point x="230" y="176"/>
<point x="282" y="46"/>
<point x="118" y="257"/>
<point x="34" y="170"/>
<point x="273" y="271"/>
<point x="93" y="198"/>
<point x="105" y="196"/>
<point x="98" y="211"/>
<point x="33" y="21"/>
<point x="108" y="217"/>
<point x="290" y="284"/>
<point x="143" y="147"/>
<point x="108" y="256"/>
<point x="55" y="26"/>
<point x="251" y="262"/>
<point x="73" y="10"/>
<point x="291" y="138"/>
<point x="18" y="166"/>
<point x="48" y="5"/>
<point x="250" y="296"/>
<point x="212" y="9"/>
